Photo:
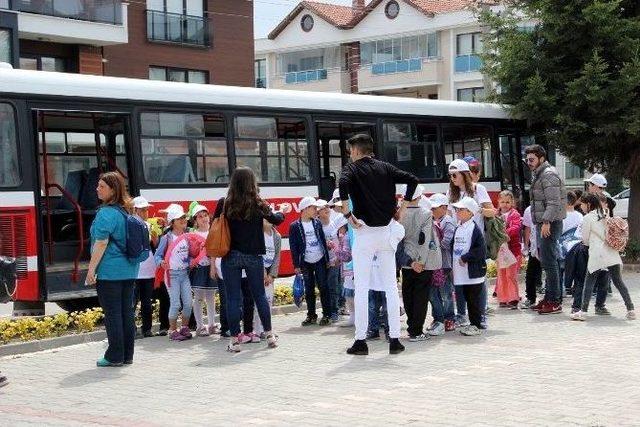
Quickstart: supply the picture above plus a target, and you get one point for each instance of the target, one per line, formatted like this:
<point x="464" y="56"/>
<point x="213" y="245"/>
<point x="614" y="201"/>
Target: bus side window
<point x="413" y="147"/>
<point x="184" y="148"/>
<point x="470" y="140"/>
<point x="276" y="148"/>
<point x="9" y="167"/>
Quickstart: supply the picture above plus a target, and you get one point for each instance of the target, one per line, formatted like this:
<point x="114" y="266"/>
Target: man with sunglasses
<point x="370" y="184"/>
<point x="548" y="197"/>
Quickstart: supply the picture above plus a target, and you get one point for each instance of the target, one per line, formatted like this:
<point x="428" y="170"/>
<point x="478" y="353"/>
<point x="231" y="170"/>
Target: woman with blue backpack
<point x="114" y="267"/>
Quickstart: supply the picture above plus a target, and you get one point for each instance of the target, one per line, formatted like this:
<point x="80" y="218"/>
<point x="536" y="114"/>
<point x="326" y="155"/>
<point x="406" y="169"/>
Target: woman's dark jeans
<point x="232" y="266"/>
<point x="115" y="298"/>
<point x="247" y="306"/>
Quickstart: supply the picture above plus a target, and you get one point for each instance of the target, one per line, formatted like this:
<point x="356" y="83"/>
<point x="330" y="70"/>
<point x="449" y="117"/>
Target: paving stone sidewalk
<point x="526" y="369"/>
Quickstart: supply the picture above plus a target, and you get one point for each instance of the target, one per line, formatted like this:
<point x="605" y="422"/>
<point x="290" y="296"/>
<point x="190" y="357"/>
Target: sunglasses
<point x="531" y="159"/>
<point x="453" y="175"/>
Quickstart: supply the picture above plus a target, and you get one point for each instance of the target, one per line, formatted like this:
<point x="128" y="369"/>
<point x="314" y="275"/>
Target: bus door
<point x="74" y="149"/>
<point x="332" y="147"/>
<point x="511" y="166"/>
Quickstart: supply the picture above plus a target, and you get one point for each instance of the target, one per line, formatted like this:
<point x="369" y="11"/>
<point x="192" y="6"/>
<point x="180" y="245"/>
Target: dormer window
<point x="392" y="9"/>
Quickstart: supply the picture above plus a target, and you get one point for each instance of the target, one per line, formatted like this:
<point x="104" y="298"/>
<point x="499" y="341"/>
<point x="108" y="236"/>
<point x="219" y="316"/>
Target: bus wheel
<point x="78" y="304"/>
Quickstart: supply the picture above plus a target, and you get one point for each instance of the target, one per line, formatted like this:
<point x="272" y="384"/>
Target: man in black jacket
<point x="371" y="186"/>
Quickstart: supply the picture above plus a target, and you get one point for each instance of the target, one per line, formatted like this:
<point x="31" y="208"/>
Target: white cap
<point x="424" y="202"/>
<point x="172" y="206"/>
<point x="197" y="209"/>
<point x="597" y="179"/>
<point x="338" y="203"/>
<point x="306" y="202"/>
<point x="419" y="191"/>
<point x="175" y="212"/>
<point x="141" y="203"/>
<point x="438" y="199"/>
<point x="467" y="203"/>
<point x="320" y="203"/>
<point x="336" y="194"/>
<point x="458" y="165"/>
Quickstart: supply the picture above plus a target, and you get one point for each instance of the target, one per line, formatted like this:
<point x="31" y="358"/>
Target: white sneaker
<point x="234" y="346"/>
<point x="418" y="338"/>
<point x="579" y="316"/>
<point x="470" y="331"/>
<point x="436" y="329"/>
<point x="631" y="315"/>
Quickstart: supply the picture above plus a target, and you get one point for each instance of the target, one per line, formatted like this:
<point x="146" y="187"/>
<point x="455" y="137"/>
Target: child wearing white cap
<point x="146" y="273"/>
<point x="204" y="287"/>
<point x="310" y="257"/>
<point x="469" y="262"/>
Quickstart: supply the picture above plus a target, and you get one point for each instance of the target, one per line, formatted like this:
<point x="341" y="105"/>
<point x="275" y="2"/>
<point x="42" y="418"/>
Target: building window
<point x="43" y="63"/>
<point x="402" y="54"/>
<point x="261" y="73"/>
<point x="184" y="148"/>
<point x="306" y="23"/>
<point x="9" y="168"/>
<point x="392" y="9"/>
<point x="169" y="74"/>
<point x="309" y="65"/>
<point x="275" y="148"/>
<point x="471" y="94"/>
<point x="4" y="4"/>
<point x="177" y="21"/>
<point x="6" y="51"/>
<point x="468" y="48"/>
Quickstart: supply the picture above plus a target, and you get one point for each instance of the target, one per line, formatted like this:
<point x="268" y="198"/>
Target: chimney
<point x="357" y="5"/>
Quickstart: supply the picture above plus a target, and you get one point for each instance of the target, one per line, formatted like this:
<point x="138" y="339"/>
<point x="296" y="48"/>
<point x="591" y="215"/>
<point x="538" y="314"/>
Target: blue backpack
<point x="137" y="246"/>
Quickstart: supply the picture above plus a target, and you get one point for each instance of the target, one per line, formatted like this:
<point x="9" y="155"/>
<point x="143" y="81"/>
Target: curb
<point x="19" y="348"/>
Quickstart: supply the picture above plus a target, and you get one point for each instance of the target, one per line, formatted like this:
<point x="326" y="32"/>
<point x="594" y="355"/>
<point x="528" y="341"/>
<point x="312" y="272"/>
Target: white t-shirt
<point x="270" y="254"/>
<point x="205" y="261"/>
<point x="461" y="245"/>
<point x="480" y="196"/>
<point x="573" y="220"/>
<point x="527" y="221"/>
<point x="313" y="251"/>
<point x="148" y="266"/>
<point x="179" y="258"/>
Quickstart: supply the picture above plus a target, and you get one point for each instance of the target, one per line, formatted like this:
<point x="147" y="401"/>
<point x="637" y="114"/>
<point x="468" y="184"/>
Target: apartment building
<point x="195" y="41"/>
<point x="416" y="48"/>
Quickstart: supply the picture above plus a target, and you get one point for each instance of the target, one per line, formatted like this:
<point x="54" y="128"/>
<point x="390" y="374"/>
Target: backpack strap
<point x="115" y="242"/>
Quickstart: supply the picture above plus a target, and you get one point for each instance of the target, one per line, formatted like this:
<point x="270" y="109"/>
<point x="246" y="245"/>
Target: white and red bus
<point x="177" y="142"/>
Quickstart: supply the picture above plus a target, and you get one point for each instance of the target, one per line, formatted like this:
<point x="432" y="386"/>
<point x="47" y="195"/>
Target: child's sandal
<point x="272" y="340"/>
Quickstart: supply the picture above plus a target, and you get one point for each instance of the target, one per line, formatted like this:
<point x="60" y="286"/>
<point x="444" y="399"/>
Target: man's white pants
<point x="370" y="242"/>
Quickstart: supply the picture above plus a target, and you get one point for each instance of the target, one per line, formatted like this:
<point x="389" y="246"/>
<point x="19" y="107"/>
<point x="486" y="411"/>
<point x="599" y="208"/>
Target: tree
<point x="574" y="76"/>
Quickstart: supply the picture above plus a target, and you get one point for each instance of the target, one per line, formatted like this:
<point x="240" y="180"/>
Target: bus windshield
<point x="9" y="170"/>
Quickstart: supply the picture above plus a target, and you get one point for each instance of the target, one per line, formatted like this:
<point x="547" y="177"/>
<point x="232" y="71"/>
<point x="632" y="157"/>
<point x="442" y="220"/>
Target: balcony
<point x="467" y="63"/>
<point x="91" y="22"/>
<point x="105" y="11"/>
<point x="177" y="28"/>
<point x="305" y="76"/>
<point x="401" y="66"/>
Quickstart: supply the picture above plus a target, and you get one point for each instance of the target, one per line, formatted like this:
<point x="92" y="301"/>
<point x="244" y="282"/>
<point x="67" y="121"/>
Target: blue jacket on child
<point x="476" y="258"/>
<point x="298" y="241"/>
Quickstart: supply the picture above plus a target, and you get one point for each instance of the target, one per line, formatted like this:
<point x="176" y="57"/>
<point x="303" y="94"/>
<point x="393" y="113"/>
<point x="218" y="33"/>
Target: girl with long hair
<point x="245" y="211"/>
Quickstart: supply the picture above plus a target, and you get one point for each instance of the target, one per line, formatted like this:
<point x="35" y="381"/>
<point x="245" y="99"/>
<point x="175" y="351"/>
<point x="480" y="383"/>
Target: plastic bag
<point x="298" y="290"/>
<point x="505" y="257"/>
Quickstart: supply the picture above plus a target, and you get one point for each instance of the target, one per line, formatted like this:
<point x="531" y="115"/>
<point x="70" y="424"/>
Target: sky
<point x="268" y="13"/>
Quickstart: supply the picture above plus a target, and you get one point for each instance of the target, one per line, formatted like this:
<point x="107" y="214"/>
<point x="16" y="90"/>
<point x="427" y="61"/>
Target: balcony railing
<point x="305" y="76"/>
<point x="177" y="28"/>
<point x="105" y="11"/>
<point x="467" y="63"/>
<point x="401" y="66"/>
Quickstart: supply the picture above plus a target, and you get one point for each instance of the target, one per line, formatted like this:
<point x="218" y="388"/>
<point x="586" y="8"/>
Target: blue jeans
<point x="335" y="291"/>
<point x="549" y="255"/>
<point x="232" y="266"/>
<point x="224" y="324"/>
<point x="115" y="298"/>
<point x="180" y="294"/>
<point x="377" y="311"/>
<point x="316" y="274"/>
<point x="446" y="296"/>
<point x="437" y="308"/>
<point x="601" y="283"/>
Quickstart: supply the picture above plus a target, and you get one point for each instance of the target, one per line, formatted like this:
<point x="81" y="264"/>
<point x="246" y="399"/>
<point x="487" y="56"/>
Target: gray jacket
<point x="548" y="195"/>
<point x="426" y="250"/>
<point x="274" y="270"/>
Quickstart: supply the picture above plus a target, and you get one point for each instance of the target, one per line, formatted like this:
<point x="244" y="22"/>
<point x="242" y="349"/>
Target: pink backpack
<point x="616" y="233"/>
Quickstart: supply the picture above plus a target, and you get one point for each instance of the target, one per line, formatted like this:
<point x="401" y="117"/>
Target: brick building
<point x="197" y="41"/>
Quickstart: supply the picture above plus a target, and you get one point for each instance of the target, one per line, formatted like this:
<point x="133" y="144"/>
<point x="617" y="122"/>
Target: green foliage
<point x="575" y="77"/>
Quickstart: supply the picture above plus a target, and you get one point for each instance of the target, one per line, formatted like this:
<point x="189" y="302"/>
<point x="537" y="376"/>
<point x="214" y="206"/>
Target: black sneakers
<point x="310" y="320"/>
<point x="359" y="348"/>
<point x="395" y="347"/>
